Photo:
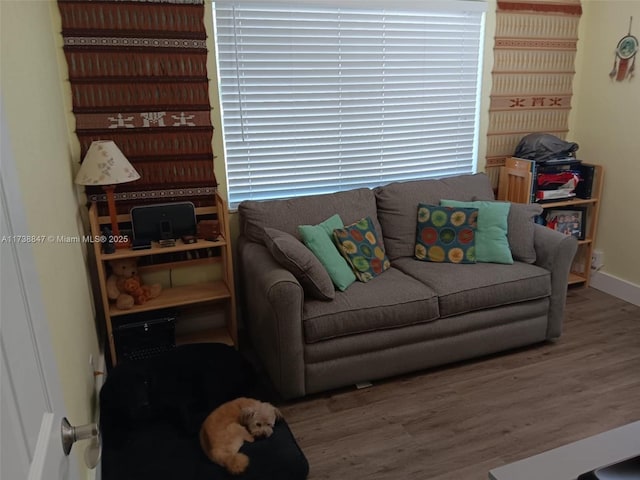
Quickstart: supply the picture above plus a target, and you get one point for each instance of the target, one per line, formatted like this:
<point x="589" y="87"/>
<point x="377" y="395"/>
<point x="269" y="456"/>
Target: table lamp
<point x="105" y="165"/>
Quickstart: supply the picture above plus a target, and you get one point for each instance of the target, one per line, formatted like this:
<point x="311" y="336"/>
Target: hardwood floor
<point x="460" y="421"/>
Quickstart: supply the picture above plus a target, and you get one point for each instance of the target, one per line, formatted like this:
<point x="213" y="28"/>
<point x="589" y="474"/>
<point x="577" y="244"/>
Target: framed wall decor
<point x="568" y="220"/>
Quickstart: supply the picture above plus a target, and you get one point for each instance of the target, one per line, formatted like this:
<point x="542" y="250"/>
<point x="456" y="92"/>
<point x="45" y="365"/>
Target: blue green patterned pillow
<point x="492" y="244"/>
<point x="446" y="234"/>
<point x="359" y="245"/>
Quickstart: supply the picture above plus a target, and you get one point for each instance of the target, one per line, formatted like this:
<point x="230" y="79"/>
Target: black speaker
<point x="163" y="221"/>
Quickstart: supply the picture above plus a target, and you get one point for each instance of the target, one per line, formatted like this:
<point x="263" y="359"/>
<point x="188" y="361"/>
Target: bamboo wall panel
<point x="138" y="74"/>
<point x="534" y="57"/>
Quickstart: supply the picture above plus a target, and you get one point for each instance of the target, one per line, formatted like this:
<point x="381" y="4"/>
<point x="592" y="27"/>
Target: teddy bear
<point x="124" y="286"/>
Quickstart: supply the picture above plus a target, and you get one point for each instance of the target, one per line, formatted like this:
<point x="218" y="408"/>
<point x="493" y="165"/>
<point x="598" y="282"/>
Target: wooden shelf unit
<point x="516" y="185"/>
<point x="219" y="293"/>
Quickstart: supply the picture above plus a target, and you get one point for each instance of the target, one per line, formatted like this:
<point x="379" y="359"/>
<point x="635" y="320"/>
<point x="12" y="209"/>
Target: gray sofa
<point x="414" y="315"/>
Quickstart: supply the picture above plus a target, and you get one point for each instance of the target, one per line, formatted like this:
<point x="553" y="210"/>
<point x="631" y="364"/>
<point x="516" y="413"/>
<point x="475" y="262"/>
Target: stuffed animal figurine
<point x="124" y="286"/>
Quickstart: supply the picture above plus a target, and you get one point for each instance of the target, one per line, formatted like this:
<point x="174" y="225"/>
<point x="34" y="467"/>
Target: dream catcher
<point x="624" y="63"/>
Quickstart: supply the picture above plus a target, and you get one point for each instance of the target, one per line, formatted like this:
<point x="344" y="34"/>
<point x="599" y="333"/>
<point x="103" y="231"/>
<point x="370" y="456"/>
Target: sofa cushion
<point x="293" y="255"/>
<point x="445" y="336"/>
<point x="388" y="301"/>
<point x="398" y="206"/>
<point x="467" y="288"/>
<point x="446" y="234"/>
<point x="492" y="244"/>
<point x="287" y="214"/>
<point x="360" y="247"/>
<point x="319" y="239"/>
<point x="520" y="231"/>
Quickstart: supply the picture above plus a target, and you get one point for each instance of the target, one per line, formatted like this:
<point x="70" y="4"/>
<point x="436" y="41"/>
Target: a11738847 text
<point x="62" y="239"/>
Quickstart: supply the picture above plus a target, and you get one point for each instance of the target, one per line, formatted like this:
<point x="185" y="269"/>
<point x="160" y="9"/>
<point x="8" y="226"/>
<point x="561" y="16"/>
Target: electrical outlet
<point x="597" y="260"/>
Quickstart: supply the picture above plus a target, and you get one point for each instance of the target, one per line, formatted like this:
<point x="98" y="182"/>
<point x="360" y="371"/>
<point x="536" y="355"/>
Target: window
<point x="324" y="98"/>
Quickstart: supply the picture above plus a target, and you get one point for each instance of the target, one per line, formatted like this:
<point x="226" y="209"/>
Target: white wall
<point x="606" y="125"/>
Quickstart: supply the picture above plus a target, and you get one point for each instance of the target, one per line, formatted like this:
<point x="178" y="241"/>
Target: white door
<point x="31" y="406"/>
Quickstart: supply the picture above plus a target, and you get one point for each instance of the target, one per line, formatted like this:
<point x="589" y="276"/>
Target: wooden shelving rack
<point x="516" y="185"/>
<point x="219" y="293"/>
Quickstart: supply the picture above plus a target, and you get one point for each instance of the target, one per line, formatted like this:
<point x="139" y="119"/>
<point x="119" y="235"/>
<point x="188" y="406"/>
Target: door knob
<point x="71" y="434"/>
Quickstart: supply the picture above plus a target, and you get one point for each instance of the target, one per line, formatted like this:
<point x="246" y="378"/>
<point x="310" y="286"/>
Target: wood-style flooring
<point x="460" y="421"/>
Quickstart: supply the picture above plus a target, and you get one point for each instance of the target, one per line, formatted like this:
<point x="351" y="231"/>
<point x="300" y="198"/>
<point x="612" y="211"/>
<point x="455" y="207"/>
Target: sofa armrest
<point x="555" y="252"/>
<point x="272" y="314"/>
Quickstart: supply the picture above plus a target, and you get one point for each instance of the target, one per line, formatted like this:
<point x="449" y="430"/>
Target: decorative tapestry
<point x="534" y="56"/>
<point x="138" y="77"/>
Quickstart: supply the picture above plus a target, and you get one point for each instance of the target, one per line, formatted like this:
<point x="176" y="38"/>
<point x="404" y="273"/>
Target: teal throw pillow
<point x="492" y="245"/>
<point x="446" y="234"/>
<point x="359" y="245"/>
<point x="319" y="239"/>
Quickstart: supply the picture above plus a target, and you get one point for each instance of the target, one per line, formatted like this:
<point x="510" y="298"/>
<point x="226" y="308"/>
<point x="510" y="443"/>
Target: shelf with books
<point x="518" y="184"/>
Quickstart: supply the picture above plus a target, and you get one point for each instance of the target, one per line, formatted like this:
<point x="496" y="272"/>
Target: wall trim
<point x="617" y="287"/>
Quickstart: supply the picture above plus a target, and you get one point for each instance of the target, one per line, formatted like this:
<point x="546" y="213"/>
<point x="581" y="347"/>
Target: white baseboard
<point x="615" y="286"/>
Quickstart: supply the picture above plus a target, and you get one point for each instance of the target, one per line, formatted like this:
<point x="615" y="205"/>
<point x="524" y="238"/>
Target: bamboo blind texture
<point x="534" y="55"/>
<point x="138" y="76"/>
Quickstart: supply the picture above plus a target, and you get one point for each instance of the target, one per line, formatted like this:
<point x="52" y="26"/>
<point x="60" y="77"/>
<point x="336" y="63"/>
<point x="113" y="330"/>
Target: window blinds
<point x="318" y="99"/>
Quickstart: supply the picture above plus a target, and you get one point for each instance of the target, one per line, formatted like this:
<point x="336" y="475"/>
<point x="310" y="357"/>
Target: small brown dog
<point x="232" y="423"/>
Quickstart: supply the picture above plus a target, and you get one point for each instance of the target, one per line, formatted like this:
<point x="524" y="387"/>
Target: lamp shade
<point x="105" y="164"/>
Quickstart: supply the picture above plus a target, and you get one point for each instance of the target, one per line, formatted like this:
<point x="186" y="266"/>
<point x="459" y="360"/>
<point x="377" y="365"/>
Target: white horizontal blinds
<point x="320" y="99"/>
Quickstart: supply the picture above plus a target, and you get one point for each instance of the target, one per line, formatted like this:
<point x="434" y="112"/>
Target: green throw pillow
<point x="359" y="245"/>
<point x="492" y="245"/>
<point x="446" y="234"/>
<point x="319" y="239"/>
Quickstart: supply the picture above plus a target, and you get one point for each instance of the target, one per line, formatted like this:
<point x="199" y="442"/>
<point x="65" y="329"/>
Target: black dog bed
<point x="151" y="411"/>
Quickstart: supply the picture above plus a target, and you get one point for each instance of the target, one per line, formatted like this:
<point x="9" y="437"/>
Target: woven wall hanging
<point x="138" y="76"/>
<point x="533" y="70"/>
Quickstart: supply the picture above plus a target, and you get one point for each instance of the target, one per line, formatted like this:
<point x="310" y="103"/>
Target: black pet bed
<point x="151" y="411"/>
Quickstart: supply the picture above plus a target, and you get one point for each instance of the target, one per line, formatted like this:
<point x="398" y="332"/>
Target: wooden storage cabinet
<point x="219" y="294"/>
<point x="516" y="183"/>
